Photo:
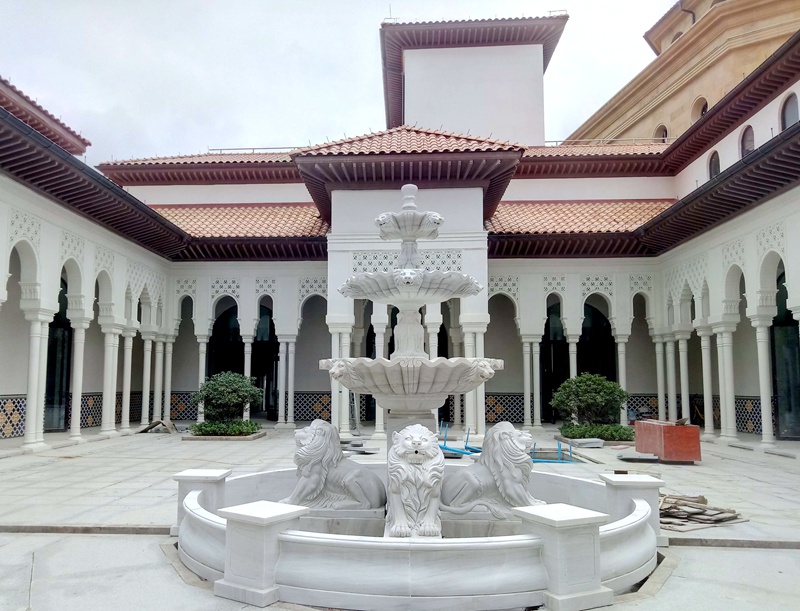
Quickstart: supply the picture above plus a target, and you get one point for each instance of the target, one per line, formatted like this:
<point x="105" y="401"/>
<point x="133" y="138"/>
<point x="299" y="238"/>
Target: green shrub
<point x="589" y="399"/>
<point x="233" y="428"/>
<point x="606" y="432"/>
<point x="225" y="395"/>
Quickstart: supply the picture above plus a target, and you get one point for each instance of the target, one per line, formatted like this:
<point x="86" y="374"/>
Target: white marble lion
<point x="326" y="478"/>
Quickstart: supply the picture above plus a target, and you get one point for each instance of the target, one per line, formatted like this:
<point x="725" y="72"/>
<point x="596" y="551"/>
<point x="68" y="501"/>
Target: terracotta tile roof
<point x="407" y="139"/>
<point x="537" y="217"/>
<point x="245" y="220"/>
<point x="202" y="158"/>
<point x="39" y="118"/>
<point x="585" y="150"/>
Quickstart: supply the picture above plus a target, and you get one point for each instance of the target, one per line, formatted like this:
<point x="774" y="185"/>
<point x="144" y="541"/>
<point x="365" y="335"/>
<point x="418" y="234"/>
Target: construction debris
<point x="686" y="513"/>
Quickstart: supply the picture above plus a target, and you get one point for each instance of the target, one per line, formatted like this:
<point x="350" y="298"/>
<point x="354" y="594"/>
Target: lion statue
<point x="326" y="478"/>
<point x="499" y="478"/>
<point x="416" y="466"/>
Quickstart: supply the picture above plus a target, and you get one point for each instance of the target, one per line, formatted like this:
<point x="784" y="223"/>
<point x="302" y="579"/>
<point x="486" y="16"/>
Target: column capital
<point x="573" y="338"/>
<point x="761" y="320"/>
<point x="287" y="338"/>
<point x="723" y="327"/>
<point x="533" y="339"/>
<point x="38" y="314"/>
<point x="338" y="327"/>
<point x="473" y="327"/>
<point x="148" y="336"/>
<point x="621" y="338"/>
<point x="79" y="322"/>
<point x="114" y="329"/>
<point x="202" y="338"/>
<point x="704" y="331"/>
<point x="682" y="335"/>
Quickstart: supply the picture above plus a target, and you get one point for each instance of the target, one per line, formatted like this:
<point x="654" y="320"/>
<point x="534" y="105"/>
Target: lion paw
<point x="400" y="530"/>
<point x="429" y="530"/>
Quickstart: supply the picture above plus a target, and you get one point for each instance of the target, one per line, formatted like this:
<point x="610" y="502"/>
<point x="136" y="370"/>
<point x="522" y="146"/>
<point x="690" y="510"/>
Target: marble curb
<point x="258" y="435"/>
<point x="739" y="543"/>
<point x="87" y="529"/>
<point x="571" y="442"/>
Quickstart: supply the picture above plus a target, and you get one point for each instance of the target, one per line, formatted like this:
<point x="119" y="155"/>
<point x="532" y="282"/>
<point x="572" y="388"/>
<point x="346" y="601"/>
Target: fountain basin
<point x="409" y="288"/>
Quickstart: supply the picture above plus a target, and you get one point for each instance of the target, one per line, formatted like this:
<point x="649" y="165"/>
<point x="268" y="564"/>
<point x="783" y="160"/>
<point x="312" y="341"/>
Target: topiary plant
<point x="224" y="396"/>
<point x="589" y="399"/>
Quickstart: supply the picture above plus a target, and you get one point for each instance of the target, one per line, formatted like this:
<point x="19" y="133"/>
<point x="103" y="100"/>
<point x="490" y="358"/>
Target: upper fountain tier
<point x="408" y="285"/>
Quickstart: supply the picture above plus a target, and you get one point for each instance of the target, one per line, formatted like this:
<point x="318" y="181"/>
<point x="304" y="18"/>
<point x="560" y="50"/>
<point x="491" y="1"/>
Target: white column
<point x="248" y="364"/>
<point x="127" y="359"/>
<point x="683" y="363"/>
<point x="334" y="384"/>
<point x="282" y="351"/>
<point x="42" y="383"/>
<point x="659" y="344"/>
<point x="344" y="402"/>
<point x="115" y="377"/>
<point x="202" y="345"/>
<point x="672" y="383"/>
<point x="469" y="410"/>
<point x="622" y="375"/>
<point x="708" y="397"/>
<point x="158" y="380"/>
<point x="147" y="366"/>
<point x="78" y="343"/>
<point x="480" y="398"/>
<point x="729" y="406"/>
<point x="526" y="384"/>
<point x="762" y="325"/>
<point x="573" y="355"/>
<point x="537" y="386"/>
<point x="290" y="382"/>
<point x="380" y="352"/>
<point x="168" y="344"/>
<point x="31" y="404"/>
<point x="107" y="427"/>
<point x="723" y="414"/>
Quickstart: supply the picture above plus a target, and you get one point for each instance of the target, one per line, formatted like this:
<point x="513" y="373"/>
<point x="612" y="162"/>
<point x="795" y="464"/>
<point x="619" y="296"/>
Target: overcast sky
<point x="143" y="78"/>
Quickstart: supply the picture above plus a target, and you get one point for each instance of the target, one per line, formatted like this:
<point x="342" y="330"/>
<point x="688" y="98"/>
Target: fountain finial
<point x="409" y="196"/>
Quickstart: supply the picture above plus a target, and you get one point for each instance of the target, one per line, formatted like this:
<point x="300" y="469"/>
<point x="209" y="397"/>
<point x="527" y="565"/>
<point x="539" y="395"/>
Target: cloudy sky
<point x="142" y="78"/>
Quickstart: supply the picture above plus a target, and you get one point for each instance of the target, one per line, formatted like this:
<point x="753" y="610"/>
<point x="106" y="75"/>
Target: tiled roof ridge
<point x="612" y="200"/>
<point x="234" y="205"/>
<point x="196" y="158"/>
<point x="389" y="24"/>
<point x="43" y="110"/>
<point x="409" y="128"/>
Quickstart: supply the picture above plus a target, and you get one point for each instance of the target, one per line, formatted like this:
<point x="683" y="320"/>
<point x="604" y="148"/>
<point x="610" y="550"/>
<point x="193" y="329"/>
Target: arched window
<point x="699" y="108"/>
<point x="660" y="135"/>
<point x="677" y="36"/>
<point x="748" y="141"/>
<point x="789" y="112"/>
<point x="713" y="165"/>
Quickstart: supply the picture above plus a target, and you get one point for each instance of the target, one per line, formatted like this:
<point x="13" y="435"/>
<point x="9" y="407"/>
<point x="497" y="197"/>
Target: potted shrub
<point x="224" y="397"/>
<point x="591" y="405"/>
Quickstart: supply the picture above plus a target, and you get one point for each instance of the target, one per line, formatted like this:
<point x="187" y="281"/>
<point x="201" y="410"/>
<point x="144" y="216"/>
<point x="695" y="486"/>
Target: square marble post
<point x="622" y="489"/>
<point x="212" y="481"/>
<point x="571" y="554"/>
<point x="252" y="550"/>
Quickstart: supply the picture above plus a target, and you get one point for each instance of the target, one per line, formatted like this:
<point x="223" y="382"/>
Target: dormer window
<point x="660" y="135"/>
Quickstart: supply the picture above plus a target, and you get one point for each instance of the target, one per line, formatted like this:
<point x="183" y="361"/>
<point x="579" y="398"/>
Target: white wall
<point x="560" y="189"/>
<point x="502" y="342"/>
<point x="221" y="194"/>
<point x="492" y="92"/>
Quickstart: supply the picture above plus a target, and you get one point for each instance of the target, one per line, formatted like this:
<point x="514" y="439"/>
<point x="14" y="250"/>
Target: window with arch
<point x="699" y="108"/>
<point x="789" y="112"/>
<point x="748" y="142"/>
<point x="713" y="165"/>
<point x="660" y="135"/>
<point x="677" y="36"/>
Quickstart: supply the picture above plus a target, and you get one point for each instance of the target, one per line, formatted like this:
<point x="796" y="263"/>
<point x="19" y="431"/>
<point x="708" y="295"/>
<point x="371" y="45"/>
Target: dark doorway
<point x="785" y="367"/>
<point x="264" y="364"/>
<point x="59" y="360"/>
<point x="225" y="346"/>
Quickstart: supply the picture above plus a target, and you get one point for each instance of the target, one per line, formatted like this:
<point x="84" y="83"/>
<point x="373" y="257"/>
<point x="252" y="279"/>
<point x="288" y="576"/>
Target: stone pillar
<point x="573" y="355"/>
<point x="32" y="412"/>
<point x="282" y="352"/>
<point x="622" y="375"/>
<point x="708" y="395"/>
<point x="107" y="426"/>
<point x="211" y="481"/>
<point x="115" y="378"/>
<point x="380" y="352"/>
<point x="248" y="367"/>
<point x="659" y="344"/>
<point x="571" y="538"/>
<point x="202" y="345"/>
<point x="537" y="387"/>
<point x="470" y="414"/>
<point x="683" y="363"/>
<point x="127" y="358"/>
<point x="334" y="384"/>
<point x="168" y="344"/>
<point x="622" y="489"/>
<point x="147" y="366"/>
<point x="79" y="327"/>
<point x="290" y="398"/>
<point x="480" y="398"/>
<point x="730" y="393"/>
<point x="158" y="380"/>
<point x="252" y="533"/>
<point x="42" y="380"/>
<point x="526" y="384"/>
<point x="672" y="382"/>
<point x="762" y="325"/>
<point x="723" y="414"/>
<point x="344" y="403"/>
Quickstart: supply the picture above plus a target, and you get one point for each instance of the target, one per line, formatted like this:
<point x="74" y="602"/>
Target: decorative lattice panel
<point x="179" y="408"/>
<point x="641" y="283"/>
<point x="383" y="260"/>
<point x="24" y="225"/>
<point x="72" y="246"/>
<point x="186" y="286"/>
<point x="733" y="254"/>
<point x="554" y="284"/>
<point x="772" y="238"/>
<point x="504" y="284"/>
<point x="597" y="283"/>
<point x="104" y="259"/>
<point x="508" y="406"/>
<point x="226" y="286"/>
<point x="311" y="406"/>
<point x="312" y="285"/>
<point x="265" y="286"/>
<point x="12" y="416"/>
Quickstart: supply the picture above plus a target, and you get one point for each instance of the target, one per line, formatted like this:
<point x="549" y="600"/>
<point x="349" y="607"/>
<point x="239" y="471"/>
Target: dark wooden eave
<point x="201" y="173"/>
<point x="254" y="249"/>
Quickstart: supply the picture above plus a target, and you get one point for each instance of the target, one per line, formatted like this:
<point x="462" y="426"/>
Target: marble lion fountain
<point x="414" y="532"/>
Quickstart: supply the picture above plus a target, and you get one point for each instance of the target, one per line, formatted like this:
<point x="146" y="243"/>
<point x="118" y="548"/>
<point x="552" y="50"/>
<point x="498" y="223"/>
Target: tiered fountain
<point x="468" y="536"/>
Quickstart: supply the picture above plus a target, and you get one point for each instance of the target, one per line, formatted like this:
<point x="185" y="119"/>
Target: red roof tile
<point x="206" y="158"/>
<point x="246" y="220"/>
<point x="407" y="139"/>
<point x="585" y="150"/>
<point x="537" y="217"/>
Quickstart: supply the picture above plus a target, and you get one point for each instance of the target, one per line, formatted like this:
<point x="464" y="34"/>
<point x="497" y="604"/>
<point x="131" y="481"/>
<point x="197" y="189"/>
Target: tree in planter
<point x="589" y="399"/>
<point x="224" y="397"/>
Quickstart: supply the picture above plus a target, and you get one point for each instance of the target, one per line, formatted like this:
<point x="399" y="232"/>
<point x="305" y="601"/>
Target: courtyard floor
<point x="85" y="527"/>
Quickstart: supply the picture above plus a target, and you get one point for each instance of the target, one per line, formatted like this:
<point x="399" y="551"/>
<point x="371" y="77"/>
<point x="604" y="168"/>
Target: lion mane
<point x="326" y="478"/>
<point x="499" y="478"/>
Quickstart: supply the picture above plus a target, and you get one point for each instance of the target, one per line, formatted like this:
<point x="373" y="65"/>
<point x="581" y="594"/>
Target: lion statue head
<point x="415" y="444"/>
<point x="318" y="443"/>
<point x="507" y="455"/>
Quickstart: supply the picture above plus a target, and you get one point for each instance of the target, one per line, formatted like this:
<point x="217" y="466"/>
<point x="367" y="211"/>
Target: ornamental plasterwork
<point x="312" y="285"/>
<point x="265" y="286"/>
<point x="692" y="272"/>
<point x="772" y="238"/>
<point x="24" y="225"/>
<point x="504" y="284"/>
<point x="383" y="260"/>
<point x="104" y="259"/>
<point x="641" y="283"/>
<point x="557" y="284"/>
<point x="136" y="273"/>
<point x="597" y="283"/>
<point x="733" y="253"/>
<point x="225" y="286"/>
<point x="186" y="286"/>
<point x="72" y="246"/>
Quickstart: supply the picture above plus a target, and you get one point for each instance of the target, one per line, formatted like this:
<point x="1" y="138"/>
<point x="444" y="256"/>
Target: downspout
<point x="683" y="10"/>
